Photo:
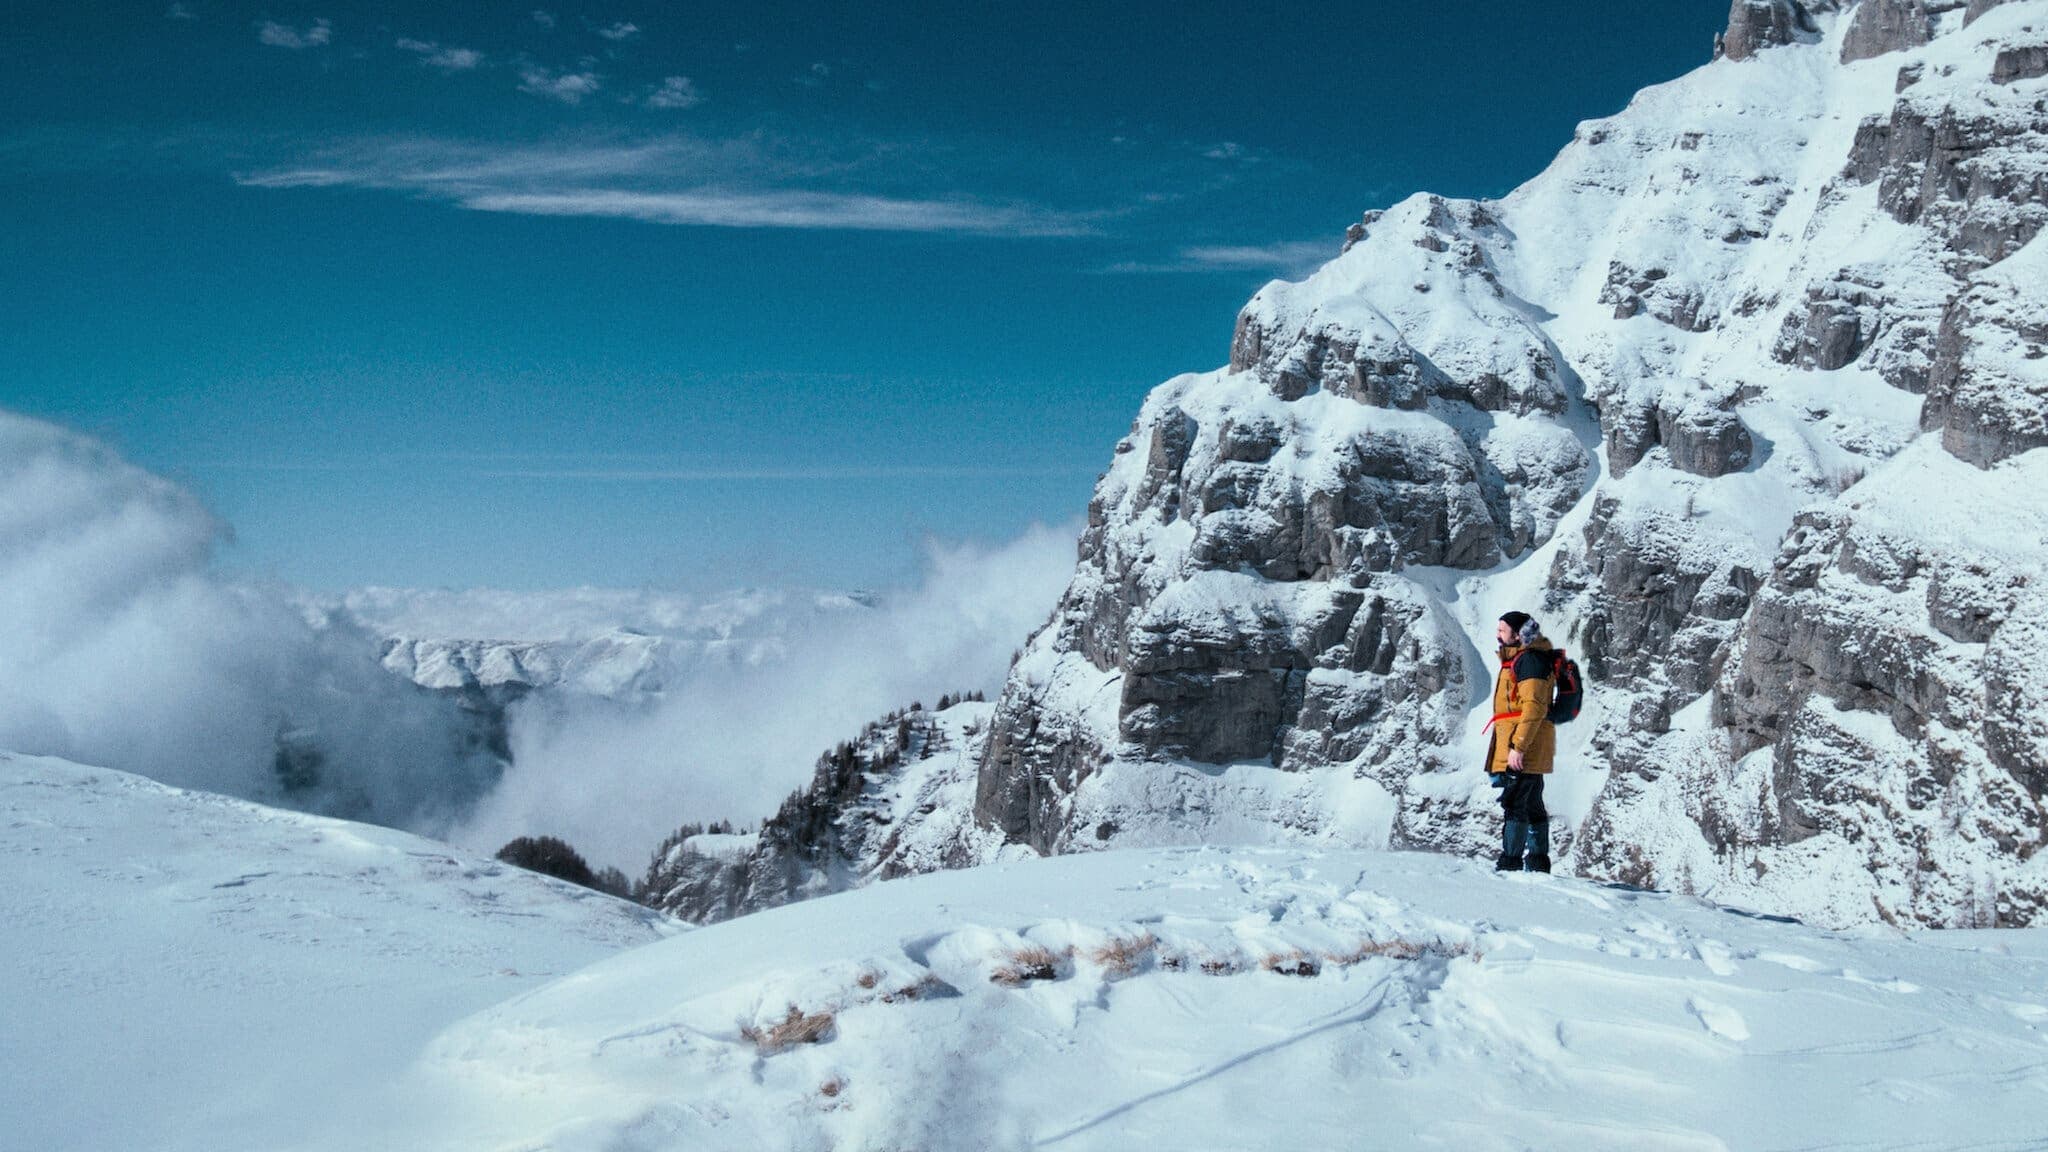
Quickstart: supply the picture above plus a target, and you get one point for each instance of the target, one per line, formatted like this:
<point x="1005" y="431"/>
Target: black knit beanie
<point x="1515" y="620"/>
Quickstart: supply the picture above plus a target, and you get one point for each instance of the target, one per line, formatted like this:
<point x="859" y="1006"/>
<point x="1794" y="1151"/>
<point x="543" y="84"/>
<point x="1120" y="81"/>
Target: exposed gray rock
<point x="1629" y="429"/>
<point x="1633" y="290"/>
<point x="1837" y="324"/>
<point x="1968" y="174"/>
<point x="1988" y="390"/>
<point x="1662" y="605"/>
<point x="1969" y="598"/>
<point x="1704" y="437"/>
<point x="853" y="823"/>
<point x="2020" y="63"/>
<point x="2016" y="682"/>
<point x="1036" y="757"/>
<point x="1871" y="149"/>
<point x="1222" y="688"/>
<point x="1881" y="26"/>
<point x="1754" y="25"/>
<point x="1977" y="8"/>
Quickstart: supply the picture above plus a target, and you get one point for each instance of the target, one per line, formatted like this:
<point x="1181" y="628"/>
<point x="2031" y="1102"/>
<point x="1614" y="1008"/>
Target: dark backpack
<point x="1571" y="692"/>
<point x="1567" y="691"/>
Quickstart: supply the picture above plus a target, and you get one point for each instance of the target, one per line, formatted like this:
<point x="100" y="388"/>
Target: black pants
<point x="1522" y="799"/>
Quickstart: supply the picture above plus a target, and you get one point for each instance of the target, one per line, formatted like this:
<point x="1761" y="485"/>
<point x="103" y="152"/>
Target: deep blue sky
<point x="698" y="297"/>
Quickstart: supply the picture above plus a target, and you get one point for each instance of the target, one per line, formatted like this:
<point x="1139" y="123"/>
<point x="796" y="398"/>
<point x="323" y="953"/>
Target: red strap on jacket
<point x="1507" y="666"/>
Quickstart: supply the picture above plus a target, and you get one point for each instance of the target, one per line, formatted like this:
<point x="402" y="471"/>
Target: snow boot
<point x="1539" y="847"/>
<point x="1513" y="834"/>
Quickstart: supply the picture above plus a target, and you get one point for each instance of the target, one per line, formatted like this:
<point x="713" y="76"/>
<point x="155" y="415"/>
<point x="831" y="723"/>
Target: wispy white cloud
<point x="1290" y="257"/>
<point x="675" y="92"/>
<point x="446" y="59"/>
<point x="180" y="12"/>
<point x="619" y="31"/>
<point x="286" y="36"/>
<point x="675" y="180"/>
<point x="568" y="87"/>
<point x="717" y="475"/>
<point x="815" y="75"/>
<point x="776" y="208"/>
<point x="543" y="18"/>
<point x="456" y="59"/>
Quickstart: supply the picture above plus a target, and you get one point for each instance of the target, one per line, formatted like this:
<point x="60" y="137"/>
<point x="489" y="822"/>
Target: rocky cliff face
<point x="1742" y="396"/>
<point x="1745" y="397"/>
<point x="896" y="800"/>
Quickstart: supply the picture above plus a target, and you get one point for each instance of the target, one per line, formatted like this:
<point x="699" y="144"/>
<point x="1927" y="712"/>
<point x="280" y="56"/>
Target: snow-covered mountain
<point x="1744" y="396"/>
<point x="619" y="644"/>
<point x="188" y="971"/>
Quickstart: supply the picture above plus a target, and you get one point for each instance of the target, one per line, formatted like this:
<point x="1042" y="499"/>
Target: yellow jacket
<point x="1521" y="708"/>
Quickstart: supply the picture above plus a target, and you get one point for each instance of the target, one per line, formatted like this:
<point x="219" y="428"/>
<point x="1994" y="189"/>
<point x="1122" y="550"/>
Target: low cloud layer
<point x="120" y="648"/>
<point x="732" y="737"/>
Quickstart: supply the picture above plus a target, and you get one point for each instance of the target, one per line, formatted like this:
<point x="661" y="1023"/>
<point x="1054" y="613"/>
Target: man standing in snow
<point x="1524" y="742"/>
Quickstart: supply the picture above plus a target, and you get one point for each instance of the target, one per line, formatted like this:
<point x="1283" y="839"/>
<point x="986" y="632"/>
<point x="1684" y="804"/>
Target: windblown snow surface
<point x="187" y="971"/>
<point x="181" y="970"/>
<point x="1260" y="998"/>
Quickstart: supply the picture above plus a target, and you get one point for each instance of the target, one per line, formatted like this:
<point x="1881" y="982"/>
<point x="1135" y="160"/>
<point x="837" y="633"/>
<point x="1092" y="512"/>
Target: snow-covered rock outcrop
<point x="896" y="800"/>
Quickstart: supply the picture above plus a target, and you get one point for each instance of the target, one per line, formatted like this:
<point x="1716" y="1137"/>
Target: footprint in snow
<point x="1718" y="958"/>
<point x="1719" y="1019"/>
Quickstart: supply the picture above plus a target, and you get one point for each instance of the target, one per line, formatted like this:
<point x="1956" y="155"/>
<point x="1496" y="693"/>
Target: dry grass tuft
<point x="792" y="1030"/>
<point x="868" y="978"/>
<point x="1398" y="949"/>
<point x="1291" y="963"/>
<point x="1033" y="962"/>
<point x="831" y="1089"/>
<point x="929" y="985"/>
<point x="1122" y="956"/>
<point x="1220" y="966"/>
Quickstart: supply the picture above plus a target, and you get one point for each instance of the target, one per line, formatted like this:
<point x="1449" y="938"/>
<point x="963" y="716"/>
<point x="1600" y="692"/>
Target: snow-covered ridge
<point x="621" y="644"/>
<point x="623" y="665"/>
<point x="1242" y="998"/>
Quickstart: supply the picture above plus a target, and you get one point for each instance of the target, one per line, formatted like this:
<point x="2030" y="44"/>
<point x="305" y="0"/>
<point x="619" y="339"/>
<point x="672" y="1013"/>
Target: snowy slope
<point x="187" y="971"/>
<point x="1254" y="999"/>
